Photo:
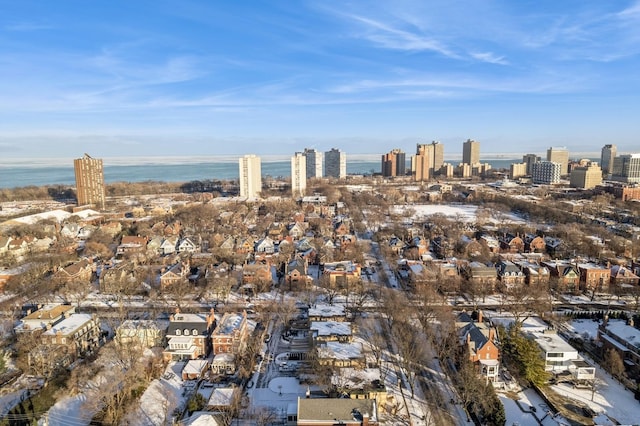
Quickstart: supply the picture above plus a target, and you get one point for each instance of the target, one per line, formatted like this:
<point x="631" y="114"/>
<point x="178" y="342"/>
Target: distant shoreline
<point x="180" y="160"/>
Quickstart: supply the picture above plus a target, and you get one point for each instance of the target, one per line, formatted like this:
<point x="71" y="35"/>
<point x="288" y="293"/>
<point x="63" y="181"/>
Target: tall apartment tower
<point x="530" y="160"/>
<point x="626" y="168"/>
<point x="471" y="152"/>
<point x="250" y="176"/>
<point x="586" y="177"/>
<point x="89" y="181"/>
<point x="428" y="161"/>
<point x="546" y="172"/>
<point x="314" y="163"/>
<point x="606" y="158"/>
<point x="335" y="164"/>
<point x="394" y="163"/>
<point x="298" y="174"/>
<point x="559" y="155"/>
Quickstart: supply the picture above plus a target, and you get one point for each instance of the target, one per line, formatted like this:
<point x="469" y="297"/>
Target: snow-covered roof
<point x="331" y="328"/>
<point x="323" y="310"/>
<point x="69" y="325"/>
<point x="625" y="332"/>
<point x="340" y="351"/>
<point x="221" y="397"/>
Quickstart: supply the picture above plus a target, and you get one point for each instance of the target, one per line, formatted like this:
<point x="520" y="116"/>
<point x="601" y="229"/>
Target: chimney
<point x="365" y="419"/>
<point x="480" y="316"/>
<point x="177" y="310"/>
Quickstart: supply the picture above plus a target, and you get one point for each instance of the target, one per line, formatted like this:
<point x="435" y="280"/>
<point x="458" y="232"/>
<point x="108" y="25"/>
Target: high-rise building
<point x="530" y="160"/>
<point x="586" y="177"/>
<point x="394" y="163"/>
<point x="335" y="164"/>
<point x="89" y="181"/>
<point x="428" y="161"/>
<point x="606" y="158"/>
<point x="517" y="170"/>
<point x="298" y="174"/>
<point x="314" y="163"/>
<point x="546" y="172"/>
<point x="626" y="168"/>
<point x="471" y="152"/>
<point x="559" y="155"/>
<point x="250" y="176"/>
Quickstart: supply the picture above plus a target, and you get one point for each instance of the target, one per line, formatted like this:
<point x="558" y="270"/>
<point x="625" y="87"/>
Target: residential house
<point x="564" y="275"/>
<point x="341" y="355"/>
<point x="44" y="317"/>
<point x="341" y="273"/>
<point x="622" y="276"/>
<point x="18" y="247"/>
<point x="74" y="337"/>
<point x="340" y="227"/>
<point x="265" y="245"/>
<point x="141" y="333"/>
<point x="154" y="245"/>
<point x="297" y="273"/>
<point x="481" y="276"/>
<point x="188" y="245"/>
<point x="552" y="245"/>
<point x="195" y="369"/>
<point x="276" y="231"/>
<point x="169" y="245"/>
<point x="80" y="271"/>
<point x="594" y="277"/>
<point x="189" y="335"/>
<point x="324" y="312"/>
<point x="231" y="334"/>
<point x="330" y="331"/>
<point x="176" y="274"/>
<point x="357" y="383"/>
<point x="117" y="278"/>
<point x="478" y="340"/>
<point x="257" y="273"/>
<point x="228" y="244"/>
<point x="297" y="230"/>
<point x="536" y="275"/>
<point x="491" y="243"/>
<point x="245" y="245"/>
<point x="511" y="243"/>
<point x="132" y="244"/>
<point x="224" y="363"/>
<point x="443" y="247"/>
<point x="336" y="411"/>
<point x="560" y="356"/>
<point x="396" y="244"/>
<point x="509" y="274"/>
<point x="624" y="338"/>
<point x="534" y="243"/>
<point x="112" y="228"/>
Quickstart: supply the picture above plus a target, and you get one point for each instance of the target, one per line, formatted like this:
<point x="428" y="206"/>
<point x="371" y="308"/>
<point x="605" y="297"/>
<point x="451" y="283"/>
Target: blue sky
<point x="233" y="77"/>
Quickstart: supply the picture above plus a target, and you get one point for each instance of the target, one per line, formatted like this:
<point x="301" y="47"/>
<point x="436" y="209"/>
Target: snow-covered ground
<point x="463" y="212"/>
<point x="529" y="410"/>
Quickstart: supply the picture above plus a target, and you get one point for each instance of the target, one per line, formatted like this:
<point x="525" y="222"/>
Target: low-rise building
<point x="74" y="337"/>
<point x="333" y="411"/>
<point x="45" y="317"/>
<point x="188" y="336"/>
<point x="478" y="341"/>
<point x="141" y="333"/>
<point x="231" y="334"/>
<point x="330" y="331"/>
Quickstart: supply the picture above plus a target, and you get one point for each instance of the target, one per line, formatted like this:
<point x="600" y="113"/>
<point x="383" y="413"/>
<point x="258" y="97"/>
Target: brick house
<point x="231" y="334"/>
<point x="477" y="339"/>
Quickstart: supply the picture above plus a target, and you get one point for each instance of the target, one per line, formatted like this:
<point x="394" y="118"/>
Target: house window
<point x="178" y="332"/>
<point x="186" y="332"/>
<point x="194" y="332"/>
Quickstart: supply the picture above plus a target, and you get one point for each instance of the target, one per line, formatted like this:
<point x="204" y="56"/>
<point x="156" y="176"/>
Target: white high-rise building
<point x="314" y="163"/>
<point x="250" y="176"/>
<point x="546" y="172"/>
<point x="335" y="164"/>
<point x="298" y="174"/>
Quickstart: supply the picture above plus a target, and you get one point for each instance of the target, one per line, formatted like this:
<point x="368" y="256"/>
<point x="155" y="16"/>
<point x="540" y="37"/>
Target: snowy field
<point x="462" y="212"/>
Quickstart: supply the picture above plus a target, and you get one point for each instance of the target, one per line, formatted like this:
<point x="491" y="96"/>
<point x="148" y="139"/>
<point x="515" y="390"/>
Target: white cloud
<point x="489" y="57"/>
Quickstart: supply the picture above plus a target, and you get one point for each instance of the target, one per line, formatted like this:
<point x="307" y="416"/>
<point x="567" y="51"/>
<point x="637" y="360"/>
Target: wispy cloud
<point x="389" y="37"/>
<point x="489" y="57"/>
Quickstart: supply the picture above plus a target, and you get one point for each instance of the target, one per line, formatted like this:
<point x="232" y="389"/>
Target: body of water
<point x="42" y="174"/>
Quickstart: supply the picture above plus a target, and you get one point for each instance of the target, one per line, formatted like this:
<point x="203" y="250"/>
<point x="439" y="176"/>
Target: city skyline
<point x="273" y="79"/>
